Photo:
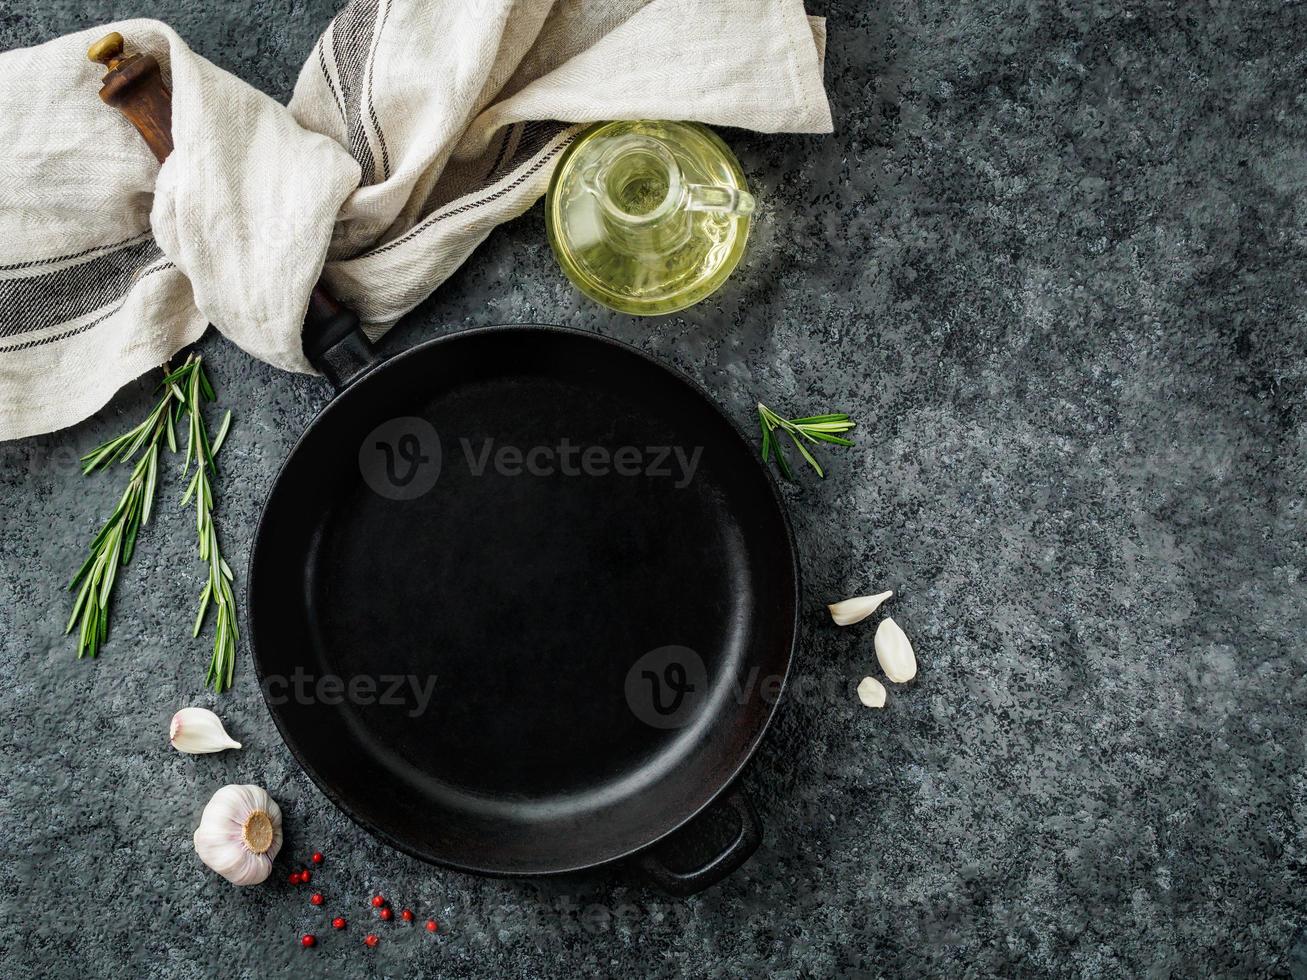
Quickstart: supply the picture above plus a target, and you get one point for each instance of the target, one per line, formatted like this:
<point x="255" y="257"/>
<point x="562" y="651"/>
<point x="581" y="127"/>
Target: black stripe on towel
<point x="86" y="326"/>
<point x="51" y="298"/>
<point x="372" y="110"/>
<point x="431" y="220"/>
<point x="326" y="75"/>
<point x="351" y="43"/>
<point x="33" y="263"/>
<point x="535" y="137"/>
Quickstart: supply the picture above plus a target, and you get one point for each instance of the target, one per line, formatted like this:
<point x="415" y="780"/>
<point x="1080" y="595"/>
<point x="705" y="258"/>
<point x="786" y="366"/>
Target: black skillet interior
<point x="528" y="585"/>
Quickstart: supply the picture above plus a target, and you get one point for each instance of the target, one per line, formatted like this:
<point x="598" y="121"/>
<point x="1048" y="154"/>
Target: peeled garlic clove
<point x="871" y="692"/>
<point x="240" y="834"/>
<point x="894" y="651"/>
<point x="852" y="611"/>
<point x="199" y="730"/>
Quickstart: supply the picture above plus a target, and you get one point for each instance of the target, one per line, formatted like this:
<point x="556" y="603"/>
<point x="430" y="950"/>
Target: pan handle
<point x="735" y="853"/>
<point x="334" y="341"/>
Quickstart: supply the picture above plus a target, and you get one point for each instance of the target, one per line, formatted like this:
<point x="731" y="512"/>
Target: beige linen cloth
<point x="416" y="127"/>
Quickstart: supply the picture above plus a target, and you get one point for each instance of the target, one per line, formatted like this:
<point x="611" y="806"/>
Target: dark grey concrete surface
<point x="1052" y="260"/>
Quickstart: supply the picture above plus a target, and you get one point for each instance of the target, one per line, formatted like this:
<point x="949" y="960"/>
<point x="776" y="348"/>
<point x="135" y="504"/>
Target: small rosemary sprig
<point x="813" y="428"/>
<point x="195" y="389"/>
<point x="183" y="393"/>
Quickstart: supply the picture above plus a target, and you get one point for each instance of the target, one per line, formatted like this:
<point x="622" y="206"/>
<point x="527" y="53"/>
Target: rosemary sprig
<point x="195" y="389"/>
<point x="183" y="393"/>
<point x="113" y="546"/>
<point x="812" y="428"/>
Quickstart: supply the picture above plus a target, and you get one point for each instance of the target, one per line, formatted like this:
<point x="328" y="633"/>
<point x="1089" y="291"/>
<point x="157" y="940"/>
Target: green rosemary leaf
<point x="125" y="454"/>
<point x="222" y="432"/>
<point x="77" y="606"/>
<point x="111" y="567"/>
<point x="109" y="444"/>
<point x="129" y="544"/>
<point x="81" y="572"/>
<point x="803" y="450"/>
<point x="190" y="442"/>
<point x="102" y="452"/>
<point x="827" y="429"/>
<point x="84" y="640"/>
<point x="105" y="531"/>
<point x="832" y="417"/>
<point x="151" y="482"/>
<point x="190" y="489"/>
<point x="204" y="607"/>
<point x="205" y="387"/>
<point x="837" y="440"/>
<point x="784" y="464"/>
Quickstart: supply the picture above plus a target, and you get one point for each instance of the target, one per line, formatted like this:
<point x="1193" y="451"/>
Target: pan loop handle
<point x="738" y="850"/>
<point x="334" y="341"/>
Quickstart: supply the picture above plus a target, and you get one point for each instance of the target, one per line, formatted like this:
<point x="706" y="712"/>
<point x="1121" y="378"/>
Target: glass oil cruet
<point x="648" y="217"/>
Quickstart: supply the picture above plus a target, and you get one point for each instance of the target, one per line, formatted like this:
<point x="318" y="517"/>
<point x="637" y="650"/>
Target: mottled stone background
<point x="1053" y="260"/>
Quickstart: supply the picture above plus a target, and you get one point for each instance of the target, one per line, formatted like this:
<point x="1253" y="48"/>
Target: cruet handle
<point x="719" y="198"/>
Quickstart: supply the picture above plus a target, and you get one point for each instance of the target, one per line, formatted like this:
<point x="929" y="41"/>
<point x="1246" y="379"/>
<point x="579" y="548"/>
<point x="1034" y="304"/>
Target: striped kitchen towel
<point x="416" y="127"/>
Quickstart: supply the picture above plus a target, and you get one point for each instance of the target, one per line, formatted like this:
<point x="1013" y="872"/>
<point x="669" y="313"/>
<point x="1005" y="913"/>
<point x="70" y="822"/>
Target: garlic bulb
<point x="871" y="692"/>
<point x="894" y="651"/>
<point x="240" y="834"/>
<point x="852" y="611"/>
<point x="197" y="730"/>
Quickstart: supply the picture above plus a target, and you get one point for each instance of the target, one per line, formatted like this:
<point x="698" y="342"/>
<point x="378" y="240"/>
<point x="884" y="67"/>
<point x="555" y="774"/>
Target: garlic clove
<point x="894" y="651"/>
<point x="199" y="730"/>
<point x="240" y="834"/>
<point x="871" y="692"/>
<point x="852" y="611"/>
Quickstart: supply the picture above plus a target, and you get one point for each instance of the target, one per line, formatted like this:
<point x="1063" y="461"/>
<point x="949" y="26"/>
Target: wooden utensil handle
<point x="134" y="86"/>
<point x="333" y="338"/>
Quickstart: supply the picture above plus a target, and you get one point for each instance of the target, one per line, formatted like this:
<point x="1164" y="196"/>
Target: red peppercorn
<point x="431" y="925"/>
<point x="317" y="857"/>
<point x="406" y="915"/>
<point x="305" y="877"/>
<point x="370" y="939"/>
<point x="294" y="877"/>
<point x="338" y="922"/>
<point x="316" y="898"/>
<point x="386" y="915"/>
<point x="378" y="901"/>
<point x="308" y="941"/>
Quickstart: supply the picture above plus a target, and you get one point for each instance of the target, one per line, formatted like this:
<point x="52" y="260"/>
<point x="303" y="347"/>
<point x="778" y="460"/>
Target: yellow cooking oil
<point x="648" y="217"/>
